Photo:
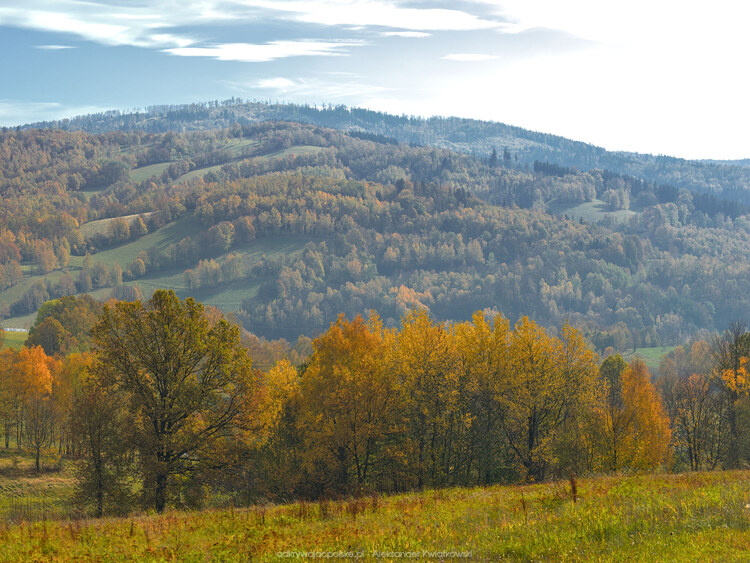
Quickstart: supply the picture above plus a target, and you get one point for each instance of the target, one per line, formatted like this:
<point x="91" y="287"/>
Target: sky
<point x="658" y="76"/>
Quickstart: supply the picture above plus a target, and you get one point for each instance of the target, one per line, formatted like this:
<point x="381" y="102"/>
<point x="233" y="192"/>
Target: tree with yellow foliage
<point x="482" y="361"/>
<point x="551" y="381"/>
<point x="425" y="361"/>
<point x="348" y="401"/>
<point x="636" y="427"/>
<point x="731" y="352"/>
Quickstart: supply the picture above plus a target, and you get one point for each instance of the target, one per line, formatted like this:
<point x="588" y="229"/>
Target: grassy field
<point x="590" y="211"/>
<point x="15" y="339"/>
<point x="198" y="173"/>
<point x="239" y="147"/>
<point x="688" y="517"/>
<point x="100" y="226"/>
<point x="227" y="297"/>
<point x="124" y="254"/>
<point x="652" y="357"/>
<point x="300" y="149"/>
<point x="146" y="172"/>
<point x="28" y="495"/>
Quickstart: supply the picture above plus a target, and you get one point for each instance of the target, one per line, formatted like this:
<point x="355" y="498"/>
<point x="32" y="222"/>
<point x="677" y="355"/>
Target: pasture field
<point x="685" y="517"/>
<point x="15" y="339"/>
<point x="198" y="173"/>
<point x="161" y="238"/>
<point x="227" y="296"/>
<point x="652" y="357"/>
<point x="295" y="150"/>
<point x="590" y="211"/>
<point x="146" y="172"/>
<point x="101" y="226"/>
<point x="240" y="147"/>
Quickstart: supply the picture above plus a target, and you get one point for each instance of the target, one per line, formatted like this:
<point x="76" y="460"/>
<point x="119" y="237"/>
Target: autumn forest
<point x="224" y="310"/>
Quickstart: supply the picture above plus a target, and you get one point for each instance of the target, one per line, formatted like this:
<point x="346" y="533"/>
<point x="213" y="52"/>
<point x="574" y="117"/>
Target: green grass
<point x="17" y="291"/>
<point x="146" y="172"/>
<point x="100" y="226"/>
<point x="590" y="211"/>
<point x="227" y="297"/>
<point x="31" y="495"/>
<point x="689" y="517"/>
<point x="14" y="340"/>
<point x="24" y="321"/>
<point x="198" y="173"/>
<point x="301" y="149"/>
<point x="651" y="356"/>
<point x="124" y="254"/>
<point x="239" y="147"/>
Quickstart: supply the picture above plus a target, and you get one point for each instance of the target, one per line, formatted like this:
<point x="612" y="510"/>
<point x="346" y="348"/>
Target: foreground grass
<point x="686" y="517"/>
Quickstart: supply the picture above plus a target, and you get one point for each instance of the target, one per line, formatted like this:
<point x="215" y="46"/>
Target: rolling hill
<point x="288" y="225"/>
<point x="727" y="179"/>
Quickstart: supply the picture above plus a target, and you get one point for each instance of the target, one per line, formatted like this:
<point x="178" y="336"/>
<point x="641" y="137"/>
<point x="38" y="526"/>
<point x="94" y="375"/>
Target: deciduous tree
<point x="187" y="381"/>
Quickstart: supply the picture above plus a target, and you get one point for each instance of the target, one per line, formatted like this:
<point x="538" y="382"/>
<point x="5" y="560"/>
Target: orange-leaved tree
<point x="34" y="371"/>
<point x="636" y="427"/>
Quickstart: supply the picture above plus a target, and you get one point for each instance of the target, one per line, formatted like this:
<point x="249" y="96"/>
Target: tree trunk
<point x="160" y="496"/>
<point x="99" y="493"/>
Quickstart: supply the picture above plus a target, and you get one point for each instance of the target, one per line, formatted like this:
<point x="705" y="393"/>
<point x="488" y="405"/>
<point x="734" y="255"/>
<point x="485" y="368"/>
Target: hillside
<point x="289" y="225"/>
<point x="721" y="178"/>
<point x="690" y="517"/>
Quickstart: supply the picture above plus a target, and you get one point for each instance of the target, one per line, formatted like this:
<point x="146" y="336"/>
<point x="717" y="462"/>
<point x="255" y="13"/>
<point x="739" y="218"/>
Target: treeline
<point x="372" y="409"/>
<point x="162" y="394"/>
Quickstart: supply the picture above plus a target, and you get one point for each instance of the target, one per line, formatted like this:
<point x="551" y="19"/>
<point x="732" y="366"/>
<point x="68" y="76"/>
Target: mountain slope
<point x="474" y="137"/>
<point x="289" y="225"/>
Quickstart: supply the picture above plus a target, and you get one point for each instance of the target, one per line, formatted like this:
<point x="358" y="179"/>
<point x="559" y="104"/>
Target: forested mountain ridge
<point x="289" y="225"/>
<point x="725" y="179"/>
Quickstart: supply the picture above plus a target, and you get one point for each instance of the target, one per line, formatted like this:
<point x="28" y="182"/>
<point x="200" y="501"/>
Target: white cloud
<point x="93" y="22"/>
<point x="249" y="52"/>
<point x="309" y="90"/>
<point x="142" y="24"/>
<point x="380" y="13"/>
<point x="414" y="34"/>
<point x="54" y="47"/>
<point x="279" y="83"/>
<point x="468" y="57"/>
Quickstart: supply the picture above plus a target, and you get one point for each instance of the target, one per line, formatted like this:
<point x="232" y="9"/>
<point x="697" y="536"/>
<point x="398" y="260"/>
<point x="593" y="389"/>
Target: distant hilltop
<point x="724" y="179"/>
